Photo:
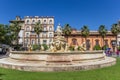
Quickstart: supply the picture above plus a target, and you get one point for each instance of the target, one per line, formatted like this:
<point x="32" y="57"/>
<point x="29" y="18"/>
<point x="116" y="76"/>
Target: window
<point x="39" y="21"/>
<point x="50" y="28"/>
<point x="27" y="34"/>
<point x="27" y="21"/>
<point x="74" y="41"/>
<point x="50" y="34"/>
<point x="44" y="34"/>
<point x="45" y="29"/>
<point x="50" y="21"/>
<point x="44" y="21"/>
<point x="27" y="28"/>
<point x="97" y="42"/>
<point x="33" y="42"/>
<point x="88" y="44"/>
<point x="106" y="42"/>
<point x="44" y="41"/>
<point x="32" y="31"/>
<point x="33" y="21"/>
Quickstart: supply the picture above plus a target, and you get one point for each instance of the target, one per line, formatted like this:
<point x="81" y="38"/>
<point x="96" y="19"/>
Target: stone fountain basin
<point x="72" y="56"/>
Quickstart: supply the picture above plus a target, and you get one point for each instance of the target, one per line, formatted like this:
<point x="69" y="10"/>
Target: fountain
<point x="57" y="58"/>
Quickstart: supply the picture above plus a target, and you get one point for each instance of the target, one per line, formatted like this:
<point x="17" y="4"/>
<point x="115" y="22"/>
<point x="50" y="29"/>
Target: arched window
<point x="74" y="41"/>
<point x="50" y="28"/>
<point x="96" y="42"/>
<point x="27" y="34"/>
<point x="33" y="21"/>
<point x="88" y="44"/>
<point x="33" y="42"/>
<point x="50" y="34"/>
<point x="50" y="21"/>
<point x="27" y="28"/>
<point x="106" y="42"/>
<point x="39" y="21"/>
<point x="27" y="21"/>
<point x="44" y="21"/>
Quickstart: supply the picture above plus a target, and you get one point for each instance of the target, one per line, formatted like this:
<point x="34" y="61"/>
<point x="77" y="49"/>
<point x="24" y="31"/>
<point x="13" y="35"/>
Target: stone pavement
<point x="3" y="56"/>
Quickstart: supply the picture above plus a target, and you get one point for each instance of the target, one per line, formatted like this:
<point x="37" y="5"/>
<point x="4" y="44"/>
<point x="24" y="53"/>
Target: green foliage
<point x="45" y="46"/>
<point x="97" y="47"/>
<point x="38" y="29"/>
<point x="118" y="48"/>
<point x="71" y="48"/>
<point x="104" y="47"/>
<point x="67" y="30"/>
<point x="85" y="31"/>
<point x="115" y="29"/>
<point x="15" y="28"/>
<point x="102" y="31"/>
<point x="2" y="33"/>
<point x="79" y="48"/>
<point x="35" y="47"/>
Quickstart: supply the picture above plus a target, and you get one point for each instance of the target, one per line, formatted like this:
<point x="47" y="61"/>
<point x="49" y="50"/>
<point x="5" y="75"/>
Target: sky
<point x="77" y="13"/>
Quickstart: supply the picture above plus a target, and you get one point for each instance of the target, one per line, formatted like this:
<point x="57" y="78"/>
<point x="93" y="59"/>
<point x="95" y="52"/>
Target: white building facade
<point x="28" y="35"/>
<point x="46" y="36"/>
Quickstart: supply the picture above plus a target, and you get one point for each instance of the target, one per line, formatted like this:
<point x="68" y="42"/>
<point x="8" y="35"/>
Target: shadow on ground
<point x="0" y="76"/>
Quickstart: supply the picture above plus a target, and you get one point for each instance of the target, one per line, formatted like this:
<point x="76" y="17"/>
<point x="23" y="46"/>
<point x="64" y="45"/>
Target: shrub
<point x="36" y="47"/>
<point x="71" y="48"/>
<point x="45" y="46"/>
<point x="97" y="47"/>
<point x="104" y="47"/>
<point x="79" y="48"/>
<point x="118" y="48"/>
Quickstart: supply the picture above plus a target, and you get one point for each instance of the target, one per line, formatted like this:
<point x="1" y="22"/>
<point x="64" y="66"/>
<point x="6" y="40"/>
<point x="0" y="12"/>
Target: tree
<point x="67" y="30"/>
<point x="15" y="28"/>
<point x="103" y="32"/>
<point x="38" y="29"/>
<point x="115" y="30"/>
<point x="85" y="32"/>
<point x="2" y="33"/>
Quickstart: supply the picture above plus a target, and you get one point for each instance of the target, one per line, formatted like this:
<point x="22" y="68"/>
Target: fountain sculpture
<point x="57" y="58"/>
<point x="59" y="43"/>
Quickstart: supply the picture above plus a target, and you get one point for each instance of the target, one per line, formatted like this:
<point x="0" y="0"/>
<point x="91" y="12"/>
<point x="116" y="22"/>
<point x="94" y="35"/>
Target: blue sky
<point x="77" y="13"/>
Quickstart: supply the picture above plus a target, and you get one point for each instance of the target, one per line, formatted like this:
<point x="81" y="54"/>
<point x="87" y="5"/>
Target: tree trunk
<point x="85" y="39"/>
<point x="38" y="39"/>
<point x="103" y="42"/>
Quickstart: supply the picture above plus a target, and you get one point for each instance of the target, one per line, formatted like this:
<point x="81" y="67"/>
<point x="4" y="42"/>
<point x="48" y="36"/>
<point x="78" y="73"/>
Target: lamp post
<point x="113" y="42"/>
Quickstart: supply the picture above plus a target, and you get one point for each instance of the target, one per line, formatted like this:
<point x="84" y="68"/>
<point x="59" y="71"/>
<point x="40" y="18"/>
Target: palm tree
<point x="15" y="28"/>
<point x="67" y="30"/>
<point x="38" y="29"/>
<point x="103" y="32"/>
<point x="115" y="30"/>
<point x="85" y="32"/>
<point x="2" y="33"/>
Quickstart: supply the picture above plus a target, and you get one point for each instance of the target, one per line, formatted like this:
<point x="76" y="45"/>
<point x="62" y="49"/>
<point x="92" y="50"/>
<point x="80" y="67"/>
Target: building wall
<point x="30" y="37"/>
<point x="92" y="39"/>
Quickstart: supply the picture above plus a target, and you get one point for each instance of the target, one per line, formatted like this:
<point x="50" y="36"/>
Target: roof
<point x="39" y="16"/>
